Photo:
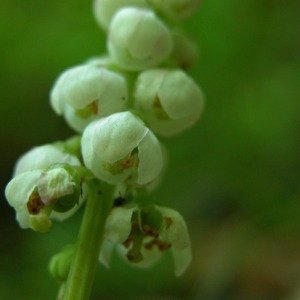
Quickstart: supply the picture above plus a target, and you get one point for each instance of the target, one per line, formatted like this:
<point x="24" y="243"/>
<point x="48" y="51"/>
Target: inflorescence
<point x="119" y="104"/>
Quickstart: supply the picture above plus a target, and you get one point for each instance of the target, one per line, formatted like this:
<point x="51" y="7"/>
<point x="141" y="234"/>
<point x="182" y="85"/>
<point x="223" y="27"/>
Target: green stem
<point x="83" y="268"/>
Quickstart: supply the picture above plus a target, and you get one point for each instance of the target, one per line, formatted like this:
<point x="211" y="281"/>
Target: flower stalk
<point x="84" y="264"/>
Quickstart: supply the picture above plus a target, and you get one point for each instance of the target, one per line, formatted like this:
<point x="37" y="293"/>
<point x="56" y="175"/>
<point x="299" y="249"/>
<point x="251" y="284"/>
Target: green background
<point x="234" y="177"/>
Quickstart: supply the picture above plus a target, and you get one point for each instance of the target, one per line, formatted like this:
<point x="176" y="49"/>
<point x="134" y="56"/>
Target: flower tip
<point x="182" y="260"/>
<point x="40" y="223"/>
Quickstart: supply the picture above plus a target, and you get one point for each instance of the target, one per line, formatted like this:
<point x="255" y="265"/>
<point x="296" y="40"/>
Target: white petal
<point x="109" y="140"/>
<point x="85" y="85"/>
<point x="54" y="184"/>
<point x="117" y="135"/>
<point x="105" y="253"/>
<point x="17" y="193"/>
<point x="182" y="259"/>
<point x="169" y="100"/>
<point x="138" y="39"/>
<point x="150" y="159"/>
<point x="118" y="224"/>
<point x="174" y="228"/>
<point x="76" y="122"/>
<point x="42" y="157"/>
<point x="179" y="94"/>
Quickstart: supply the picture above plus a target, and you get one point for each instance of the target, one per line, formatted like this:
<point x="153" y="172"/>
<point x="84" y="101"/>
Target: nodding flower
<point x="88" y="92"/>
<point x="45" y="184"/>
<point x="138" y="39"/>
<point x="169" y="100"/>
<point x="143" y="236"/>
<point x="120" y="148"/>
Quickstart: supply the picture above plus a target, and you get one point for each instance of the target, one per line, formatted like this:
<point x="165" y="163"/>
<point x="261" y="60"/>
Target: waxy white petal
<point x="54" y="184"/>
<point x="138" y="39"/>
<point x="87" y="92"/>
<point x="174" y="228"/>
<point x="150" y="159"/>
<point x="118" y="224"/>
<point x="182" y="260"/>
<point x="106" y="253"/>
<point x="106" y="142"/>
<point x="169" y="100"/>
<point x="42" y="157"/>
<point x="17" y="193"/>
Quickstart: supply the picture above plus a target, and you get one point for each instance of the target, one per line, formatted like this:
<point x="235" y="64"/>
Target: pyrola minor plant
<point x="119" y="104"/>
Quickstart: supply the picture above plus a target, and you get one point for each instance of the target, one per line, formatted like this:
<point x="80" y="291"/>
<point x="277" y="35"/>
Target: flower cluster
<point x="119" y="104"/>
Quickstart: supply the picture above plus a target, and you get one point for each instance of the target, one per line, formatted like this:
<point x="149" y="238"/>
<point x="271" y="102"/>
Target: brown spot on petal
<point x="161" y="246"/>
<point x="156" y="102"/>
<point x="93" y="107"/>
<point x="148" y="230"/>
<point x="168" y="222"/>
<point x="159" y="111"/>
<point x="129" y="161"/>
<point x="34" y="204"/>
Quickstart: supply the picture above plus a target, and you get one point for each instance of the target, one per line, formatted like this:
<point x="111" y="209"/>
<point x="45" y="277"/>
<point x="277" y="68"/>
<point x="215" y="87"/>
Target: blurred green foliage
<point x="235" y="176"/>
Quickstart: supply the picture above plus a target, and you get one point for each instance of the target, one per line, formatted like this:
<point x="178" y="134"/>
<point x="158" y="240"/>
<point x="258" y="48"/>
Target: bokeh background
<point x="234" y="177"/>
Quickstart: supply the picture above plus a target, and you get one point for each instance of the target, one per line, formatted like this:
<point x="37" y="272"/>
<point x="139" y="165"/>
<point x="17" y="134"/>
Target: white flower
<point x="121" y="148"/>
<point x="41" y="157"/>
<point x="35" y="187"/>
<point x="86" y="93"/>
<point x="138" y="39"/>
<point x="104" y="10"/>
<point x="142" y="244"/>
<point x="176" y="9"/>
<point x="34" y="195"/>
<point x="169" y="100"/>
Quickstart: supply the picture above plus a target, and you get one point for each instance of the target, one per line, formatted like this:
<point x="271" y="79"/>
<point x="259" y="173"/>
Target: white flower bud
<point x="121" y="148"/>
<point x="104" y="10"/>
<point x="175" y="9"/>
<point x="86" y="93"/>
<point x="169" y="100"/>
<point x="42" y="157"/>
<point x="138" y="39"/>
